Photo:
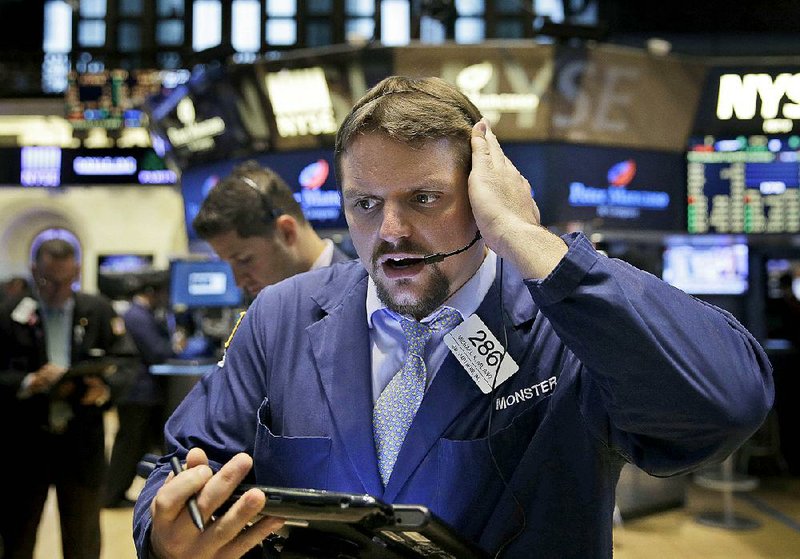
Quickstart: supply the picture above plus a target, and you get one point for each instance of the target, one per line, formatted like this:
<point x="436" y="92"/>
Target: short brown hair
<point x="412" y="111"/>
<point x="247" y="201"/>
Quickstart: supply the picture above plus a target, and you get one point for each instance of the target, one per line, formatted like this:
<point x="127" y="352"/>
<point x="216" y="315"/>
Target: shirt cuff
<point x="564" y="279"/>
<point x="24" y="387"/>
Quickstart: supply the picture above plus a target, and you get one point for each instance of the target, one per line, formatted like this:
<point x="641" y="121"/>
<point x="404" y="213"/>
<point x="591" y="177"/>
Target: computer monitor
<point x="605" y="188"/>
<point x="123" y="262"/>
<point x="744" y="184"/>
<point x="707" y="265"/>
<point x="202" y="284"/>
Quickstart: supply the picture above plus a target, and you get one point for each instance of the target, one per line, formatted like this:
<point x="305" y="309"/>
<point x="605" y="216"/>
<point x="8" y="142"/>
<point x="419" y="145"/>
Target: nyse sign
<point x="607" y="109"/>
<point x="301" y="102"/>
<point x="595" y="94"/>
<point x="623" y="97"/>
<point x="779" y="98"/>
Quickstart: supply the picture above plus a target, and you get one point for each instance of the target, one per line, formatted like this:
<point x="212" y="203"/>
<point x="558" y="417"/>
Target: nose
<point x="238" y="276"/>
<point x="394" y="225"/>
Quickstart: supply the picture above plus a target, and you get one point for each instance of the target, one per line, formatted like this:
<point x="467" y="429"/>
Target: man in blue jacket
<point x="142" y="409"/>
<point x="394" y="376"/>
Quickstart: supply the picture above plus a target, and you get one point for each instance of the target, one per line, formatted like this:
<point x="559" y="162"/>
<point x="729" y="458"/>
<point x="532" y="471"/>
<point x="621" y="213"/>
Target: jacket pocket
<point x="299" y="461"/>
<point x="469" y="483"/>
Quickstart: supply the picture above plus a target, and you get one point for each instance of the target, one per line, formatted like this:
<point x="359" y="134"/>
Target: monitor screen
<point x="604" y="187"/>
<point x="309" y="173"/>
<point x="744" y="185"/>
<point x="124" y="262"/>
<point x="782" y="285"/>
<point x="207" y="283"/>
<point x="707" y="265"/>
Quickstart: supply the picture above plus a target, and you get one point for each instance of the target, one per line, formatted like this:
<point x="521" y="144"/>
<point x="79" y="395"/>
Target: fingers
<point x="97" y="392"/>
<point x="233" y="527"/>
<point x="196" y="457"/>
<point x="485" y="144"/>
<point x="252" y="536"/>
<point x="481" y="150"/>
<point x="223" y="484"/>
<point x="229" y="535"/>
<point x="170" y="501"/>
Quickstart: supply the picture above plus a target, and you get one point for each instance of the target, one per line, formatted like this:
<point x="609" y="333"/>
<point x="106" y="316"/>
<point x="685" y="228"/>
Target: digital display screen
<point x="603" y="187"/>
<point x="744" y="185"/>
<point x="111" y="99"/>
<point x="708" y="265"/>
<point x="51" y="166"/>
<point x="123" y="262"/>
<point x="309" y="173"/>
<point x="199" y="284"/>
<point x="114" y="166"/>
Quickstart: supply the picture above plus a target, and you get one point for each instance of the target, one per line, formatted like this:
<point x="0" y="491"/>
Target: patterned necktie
<point x="399" y="401"/>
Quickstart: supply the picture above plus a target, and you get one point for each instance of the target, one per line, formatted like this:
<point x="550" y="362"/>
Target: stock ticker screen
<point x="744" y="185"/>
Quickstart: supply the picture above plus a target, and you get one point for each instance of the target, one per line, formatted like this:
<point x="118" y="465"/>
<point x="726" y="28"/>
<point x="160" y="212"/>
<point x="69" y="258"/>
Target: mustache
<point x="404" y="245"/>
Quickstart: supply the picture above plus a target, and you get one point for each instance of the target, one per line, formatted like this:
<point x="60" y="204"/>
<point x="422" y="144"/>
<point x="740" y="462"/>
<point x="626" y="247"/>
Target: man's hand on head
<point x="504" y="210"/>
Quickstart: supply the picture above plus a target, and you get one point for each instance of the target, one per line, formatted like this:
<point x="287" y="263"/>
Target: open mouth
<point x="401" y="263"/>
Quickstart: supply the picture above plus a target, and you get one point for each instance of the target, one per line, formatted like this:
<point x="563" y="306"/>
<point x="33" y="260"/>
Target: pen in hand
<point x="191" y="504"/>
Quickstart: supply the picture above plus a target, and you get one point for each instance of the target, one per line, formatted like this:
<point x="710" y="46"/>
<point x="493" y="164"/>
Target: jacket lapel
<point x="340" y="342"/>
<point x="452" y="390"/>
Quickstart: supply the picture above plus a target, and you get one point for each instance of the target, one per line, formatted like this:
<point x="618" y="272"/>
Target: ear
<point x="76" y="270"/>
<point x="286" y="229"/>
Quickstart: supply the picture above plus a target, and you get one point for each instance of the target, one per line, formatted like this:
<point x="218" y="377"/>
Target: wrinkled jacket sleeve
<point x="219" y="415"/>
<point x="668" y="380"/>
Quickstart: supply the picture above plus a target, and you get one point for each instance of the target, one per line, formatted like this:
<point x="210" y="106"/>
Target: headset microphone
<point x="439" y="256"/>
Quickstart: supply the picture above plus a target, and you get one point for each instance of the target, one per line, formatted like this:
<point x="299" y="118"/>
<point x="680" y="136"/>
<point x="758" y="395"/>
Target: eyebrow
<point x="432" y="184"/>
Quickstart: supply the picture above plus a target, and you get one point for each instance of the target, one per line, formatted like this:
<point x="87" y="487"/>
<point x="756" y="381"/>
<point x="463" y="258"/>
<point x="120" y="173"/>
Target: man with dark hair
<point x="16" y="286"/>
<point x="53" y="424"/>
<point x="142" y="408"/>
<point x="253" y="222"/>
<point x="472" y="362"/>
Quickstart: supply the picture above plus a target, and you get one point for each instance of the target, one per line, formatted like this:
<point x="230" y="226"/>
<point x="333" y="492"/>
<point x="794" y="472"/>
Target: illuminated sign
<point x="207" y="283"/>
<point x="317" y="204"/>
<point x="113" y="166"/>
<point x="301" y="102"/>
<point x="472" y="80"/>
<point x="314" y="175"/>
<point x="739" y="96"/>
<point x="110" y="99"/>
<point x="40" y="166"/>
<point x="157" y="176"/>
<point x="194" y="135"/>
<point x="616" y="200"/>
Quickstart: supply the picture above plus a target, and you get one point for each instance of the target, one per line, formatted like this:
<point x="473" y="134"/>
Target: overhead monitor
<point x="707" y="265"/>
<point x="743" y="184"/>
<point x="309" y="173"/>
<point x="202" y="284"/>
<point x="603" y="187"/>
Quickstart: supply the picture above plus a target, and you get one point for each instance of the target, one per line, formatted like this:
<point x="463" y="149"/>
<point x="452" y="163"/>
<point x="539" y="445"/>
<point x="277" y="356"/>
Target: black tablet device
<point x="339" y="525"/>
<point x="93" y="367"/>
<point x="328" y="524"/>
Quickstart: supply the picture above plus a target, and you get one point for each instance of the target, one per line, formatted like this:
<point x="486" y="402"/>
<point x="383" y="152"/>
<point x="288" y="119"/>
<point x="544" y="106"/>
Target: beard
<point x="435" y="293"/>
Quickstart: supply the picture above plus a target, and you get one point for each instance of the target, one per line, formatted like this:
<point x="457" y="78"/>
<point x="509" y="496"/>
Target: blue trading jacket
<point x="615" y="366"/>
